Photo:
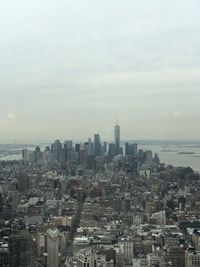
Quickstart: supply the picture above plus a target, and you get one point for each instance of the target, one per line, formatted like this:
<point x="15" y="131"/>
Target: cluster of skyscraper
<point x="90" y="154"/>
<point x="58" y="152"/>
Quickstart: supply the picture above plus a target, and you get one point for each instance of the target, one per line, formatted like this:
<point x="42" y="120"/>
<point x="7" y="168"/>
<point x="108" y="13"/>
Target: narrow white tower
<point x="117" y="139"/>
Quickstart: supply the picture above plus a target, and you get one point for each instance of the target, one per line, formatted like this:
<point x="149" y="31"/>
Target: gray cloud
<point x="69" y="68"/>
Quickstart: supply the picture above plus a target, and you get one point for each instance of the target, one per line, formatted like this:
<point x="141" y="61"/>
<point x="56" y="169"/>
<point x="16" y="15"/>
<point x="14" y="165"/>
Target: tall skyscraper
<point x="90" y="147"/>
<point x="56" y="149"/>
<point x="53" y="247"/>
<point x="68" y="150"/>
<point x="117" y="139"/>
<point x="20" y="248"/>
<point x="38" y="153"/>
<point x="97" y="145"/>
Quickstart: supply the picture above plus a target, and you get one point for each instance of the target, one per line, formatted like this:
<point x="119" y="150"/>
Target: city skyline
<point x="99" y="133"/>
<point x="69" y="67"/>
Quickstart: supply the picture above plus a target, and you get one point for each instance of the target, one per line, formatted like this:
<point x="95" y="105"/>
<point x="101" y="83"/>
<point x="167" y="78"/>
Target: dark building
<point x="156" y="158"/>
<point x="111" y="150"/>
<point x="91" y="162"/>
<point x="68" y="144"/>
<point x="1" y="202"/>
<point x="4" y="255"/>
<point x="38" y="154"/>
<point x="47" y="148"/>
<point x="131" y="152"/>
<point x="97" y="145"/>
<point x="77" y="148"/>
<point x="24" y="183"/>
<point x="105" y="147"/>
<point x="20" y="248"/>
<point x="83" y="155"/>
<point x="127" y="202"/>
<point x="141" y="156"/>
<point x="131" y="149"/>
<point x="64" y="154"/>
<point x="176" y="255"/>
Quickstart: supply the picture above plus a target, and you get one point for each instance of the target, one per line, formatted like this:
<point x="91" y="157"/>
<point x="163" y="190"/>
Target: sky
<point x="71" y="68"/>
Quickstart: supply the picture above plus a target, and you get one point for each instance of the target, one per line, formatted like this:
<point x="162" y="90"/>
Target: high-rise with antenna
<point x="117" y="138"/>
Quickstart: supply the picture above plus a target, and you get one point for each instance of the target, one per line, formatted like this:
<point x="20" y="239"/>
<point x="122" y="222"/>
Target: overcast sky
<point x="69" y="68"/>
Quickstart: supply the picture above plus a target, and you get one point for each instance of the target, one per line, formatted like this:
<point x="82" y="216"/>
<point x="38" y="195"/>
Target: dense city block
<point x="98" y="204"/>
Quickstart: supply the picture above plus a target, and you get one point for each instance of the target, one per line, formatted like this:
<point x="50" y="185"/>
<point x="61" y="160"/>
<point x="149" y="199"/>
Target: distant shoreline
<point x="186" y="153"/>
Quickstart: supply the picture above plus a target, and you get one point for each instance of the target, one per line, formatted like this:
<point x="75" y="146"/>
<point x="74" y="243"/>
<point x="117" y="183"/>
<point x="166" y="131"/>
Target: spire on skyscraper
<point x="117" y="138"/>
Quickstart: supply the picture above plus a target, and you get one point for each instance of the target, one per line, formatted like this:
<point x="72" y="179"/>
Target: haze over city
<point x="99" y="133"/>
<point x="70" y="69"/>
